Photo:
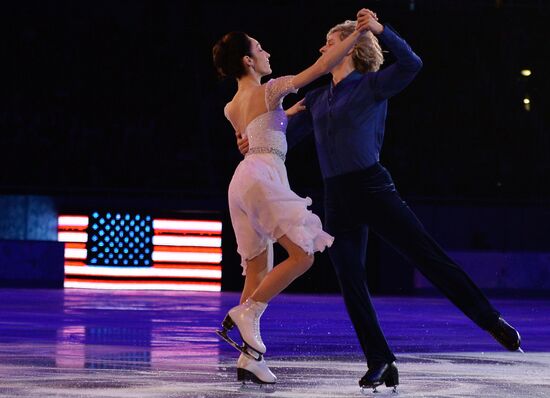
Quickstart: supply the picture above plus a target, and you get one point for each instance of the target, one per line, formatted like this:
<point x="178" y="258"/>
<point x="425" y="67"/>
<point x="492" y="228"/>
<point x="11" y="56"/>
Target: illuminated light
<point x="213" y="287"/>
<point x="200" y="241"/>
<point x="144" y="272"/>
<point x="76" y="263"/>
<point x="72" y="221"/>
<point x="183" y="250"/>
<point x="526" y="101"/>
<point x="76" y="254"/>
<point x="184" y="225"/>
<point x="75" y="245"/>
<point x="526" y="72"/>
<point x="72" y="237"/>
<point x="189" y="257"/>
<point x="188" y="249"/>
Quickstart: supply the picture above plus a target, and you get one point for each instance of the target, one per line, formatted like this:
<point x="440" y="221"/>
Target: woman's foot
<point x="249" y="369"/>
<point x="247" y="318"/>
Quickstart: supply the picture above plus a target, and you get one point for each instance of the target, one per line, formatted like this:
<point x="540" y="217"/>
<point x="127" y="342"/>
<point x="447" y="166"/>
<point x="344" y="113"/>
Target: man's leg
<point x="348" y="254"/>
<point x="392" y="219"/>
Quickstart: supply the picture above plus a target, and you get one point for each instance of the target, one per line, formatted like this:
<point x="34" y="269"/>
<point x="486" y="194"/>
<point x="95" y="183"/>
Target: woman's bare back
<point x="246" y="106"/>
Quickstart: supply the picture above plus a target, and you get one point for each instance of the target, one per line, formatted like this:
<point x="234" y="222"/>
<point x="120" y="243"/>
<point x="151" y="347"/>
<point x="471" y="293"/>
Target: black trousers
<point x="357" y="201"/>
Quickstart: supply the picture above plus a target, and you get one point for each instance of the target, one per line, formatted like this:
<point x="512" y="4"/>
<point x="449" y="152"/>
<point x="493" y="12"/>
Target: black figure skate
<point x="377" y="375"/>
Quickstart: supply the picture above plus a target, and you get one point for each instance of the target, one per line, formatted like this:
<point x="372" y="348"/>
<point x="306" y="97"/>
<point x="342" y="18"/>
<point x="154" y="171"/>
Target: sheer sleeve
<point x="276" y="90"/>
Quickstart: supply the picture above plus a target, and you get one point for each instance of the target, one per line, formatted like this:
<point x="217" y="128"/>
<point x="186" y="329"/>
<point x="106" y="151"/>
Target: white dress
<point x="262" y="206"/>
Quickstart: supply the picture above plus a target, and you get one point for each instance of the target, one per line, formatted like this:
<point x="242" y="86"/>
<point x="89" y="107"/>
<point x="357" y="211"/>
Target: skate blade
<point x="244" y="348"/>
<point x="250" y="386"/>
<point x="241" y="348"/>
<point x="374" y="390"/>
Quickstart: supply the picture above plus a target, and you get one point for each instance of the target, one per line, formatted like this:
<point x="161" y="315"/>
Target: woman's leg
<point x="284" y="273"/>
<point x="249" y="369"/>
<point x="247" y="315"/>
<point x="256" y="270"/>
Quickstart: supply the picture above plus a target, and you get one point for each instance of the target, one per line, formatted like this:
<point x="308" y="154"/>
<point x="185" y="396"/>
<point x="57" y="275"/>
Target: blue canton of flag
<point x="120" y="240"/>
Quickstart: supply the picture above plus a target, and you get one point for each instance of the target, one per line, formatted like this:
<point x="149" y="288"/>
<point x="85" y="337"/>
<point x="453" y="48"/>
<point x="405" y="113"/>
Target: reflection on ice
<point x="159" y="344"/>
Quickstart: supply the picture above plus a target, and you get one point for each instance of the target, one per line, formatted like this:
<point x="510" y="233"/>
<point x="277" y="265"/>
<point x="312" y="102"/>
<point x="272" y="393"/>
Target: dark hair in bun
<point x="228" y="54"/>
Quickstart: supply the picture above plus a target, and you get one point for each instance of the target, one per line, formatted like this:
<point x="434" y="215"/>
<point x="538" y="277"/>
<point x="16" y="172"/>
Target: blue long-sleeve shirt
<point x="348" y="119"/>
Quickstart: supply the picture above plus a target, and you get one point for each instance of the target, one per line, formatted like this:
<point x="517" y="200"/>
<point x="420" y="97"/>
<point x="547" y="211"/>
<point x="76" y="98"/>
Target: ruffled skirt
<point x="263" y="208"/>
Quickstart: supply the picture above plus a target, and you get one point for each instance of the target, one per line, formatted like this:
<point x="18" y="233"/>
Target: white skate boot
<point x="247" y="318"/>
<point x="249" y="369"/>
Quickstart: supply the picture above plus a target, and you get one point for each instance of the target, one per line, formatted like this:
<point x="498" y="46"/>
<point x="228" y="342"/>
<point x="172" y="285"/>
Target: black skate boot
<point x="385" y="373"/>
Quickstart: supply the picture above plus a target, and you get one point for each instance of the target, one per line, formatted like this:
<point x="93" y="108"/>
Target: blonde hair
<point x="367" y="55"/>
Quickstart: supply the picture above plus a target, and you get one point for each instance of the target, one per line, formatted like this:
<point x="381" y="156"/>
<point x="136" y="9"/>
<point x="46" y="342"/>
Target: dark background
<point x="118" y="101"/>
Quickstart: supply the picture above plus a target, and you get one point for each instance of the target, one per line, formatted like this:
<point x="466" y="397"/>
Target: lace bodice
<point x="266" y="133"/>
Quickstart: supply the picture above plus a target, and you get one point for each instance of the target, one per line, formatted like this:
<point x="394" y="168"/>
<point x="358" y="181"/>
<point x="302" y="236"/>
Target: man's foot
<point x="385" y="373"/>
<point x="506" y="335"/>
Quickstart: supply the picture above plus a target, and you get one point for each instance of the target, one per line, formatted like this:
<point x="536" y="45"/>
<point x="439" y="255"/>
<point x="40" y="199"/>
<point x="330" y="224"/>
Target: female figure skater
<point x="262" y="206"/>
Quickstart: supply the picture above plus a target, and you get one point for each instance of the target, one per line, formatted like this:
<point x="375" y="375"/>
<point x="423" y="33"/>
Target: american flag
<point x="110" y="250"/>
